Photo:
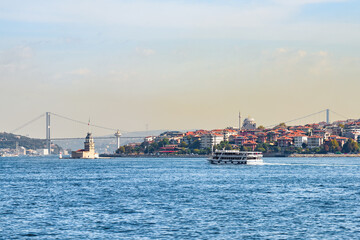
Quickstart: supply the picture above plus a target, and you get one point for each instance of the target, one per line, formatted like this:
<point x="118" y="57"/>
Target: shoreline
<point x="295" y="155"/>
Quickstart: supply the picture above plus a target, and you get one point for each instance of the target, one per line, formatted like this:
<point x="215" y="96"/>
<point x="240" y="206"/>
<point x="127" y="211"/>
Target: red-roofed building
<point x="261" y="137"/>
<point x="169" y="149"/>
<point x="284" y="141"/>
<point x="250" y="144"/>
<point x="341" y="140"/>
<point x="240" y="140"/>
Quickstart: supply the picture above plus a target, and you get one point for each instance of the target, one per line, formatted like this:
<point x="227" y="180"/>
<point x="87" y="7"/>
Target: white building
<point x="299" y="140"/>
<point x="315" y="141"/>
<point x="22" y="151"/>
<point x="352" y="131"/>
<point x="149" y="139"/>
<point x="209" y="140"/>
<point x="43" y="152"/>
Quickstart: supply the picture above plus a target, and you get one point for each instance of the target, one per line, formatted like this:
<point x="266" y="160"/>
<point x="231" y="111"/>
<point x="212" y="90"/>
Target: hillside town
<point x="337" y="137"/>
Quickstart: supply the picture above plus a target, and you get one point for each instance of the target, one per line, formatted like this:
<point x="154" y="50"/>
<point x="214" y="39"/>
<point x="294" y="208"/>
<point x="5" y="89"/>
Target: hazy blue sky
<point x="176" y="64"/>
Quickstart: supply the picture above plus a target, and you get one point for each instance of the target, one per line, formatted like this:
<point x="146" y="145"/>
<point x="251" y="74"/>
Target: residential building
<point x="323" y="133"/>
<point x="250" y="144"/>
<point x="284" y="141"/>
<point x="209" y="140"/>
<point x="299" y="140"/>
<point x="315" y="141"/>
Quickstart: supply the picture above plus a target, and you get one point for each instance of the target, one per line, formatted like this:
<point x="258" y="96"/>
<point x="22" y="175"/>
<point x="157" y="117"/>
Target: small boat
<point x="60" y="156"/>
<point x="235" y="157"/>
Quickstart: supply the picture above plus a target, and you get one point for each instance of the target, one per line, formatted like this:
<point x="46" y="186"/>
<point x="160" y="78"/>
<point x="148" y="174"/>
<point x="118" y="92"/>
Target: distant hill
<point x="8" y="140"/>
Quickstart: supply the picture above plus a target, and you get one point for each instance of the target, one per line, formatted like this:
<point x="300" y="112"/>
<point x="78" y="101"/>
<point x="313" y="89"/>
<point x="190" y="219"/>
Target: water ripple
<point x="48" y="198"/>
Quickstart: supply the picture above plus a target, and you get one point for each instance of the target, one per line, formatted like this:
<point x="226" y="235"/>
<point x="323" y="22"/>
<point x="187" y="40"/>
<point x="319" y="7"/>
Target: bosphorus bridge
<point x="49" y="139"/>
<point x="117" y="134"/>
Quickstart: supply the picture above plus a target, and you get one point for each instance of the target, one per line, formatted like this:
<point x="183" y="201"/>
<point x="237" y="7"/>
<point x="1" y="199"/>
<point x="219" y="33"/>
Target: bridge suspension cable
<point x="339" y="114"/>
<point x="82" y="138"/>
<point x="28" y="123"/>
<point x="300" y="118"/>
<point x="84" y="123"/>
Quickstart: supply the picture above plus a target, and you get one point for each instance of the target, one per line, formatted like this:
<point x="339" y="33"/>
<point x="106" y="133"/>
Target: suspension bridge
<point x="117" y="132"/>
<point x="326" y="111"/>
<point x="49" y="139"/>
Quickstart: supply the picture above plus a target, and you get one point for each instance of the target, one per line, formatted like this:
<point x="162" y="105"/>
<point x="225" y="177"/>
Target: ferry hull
<point x="236" y="162"/>
<point x="236" y="157"/>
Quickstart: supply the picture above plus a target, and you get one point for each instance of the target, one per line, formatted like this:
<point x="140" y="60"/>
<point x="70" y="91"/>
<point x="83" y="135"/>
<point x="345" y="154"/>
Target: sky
<point x="176" y="64"/>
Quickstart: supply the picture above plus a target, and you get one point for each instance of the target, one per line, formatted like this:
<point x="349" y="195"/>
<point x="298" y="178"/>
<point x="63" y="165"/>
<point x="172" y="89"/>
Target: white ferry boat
<point x="235" y="157"/>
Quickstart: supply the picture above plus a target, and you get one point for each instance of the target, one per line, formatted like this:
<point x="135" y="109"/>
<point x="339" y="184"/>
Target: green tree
<point x="195" y="145"/>
<point x="261" y="127"/>
<point x="164" y="142"/>
<point x="350" y="146"/>
<point x="224" y="145"/>
<point x="334" y="146"/>
<point x="196" y="151"/>
<point x="183" y="144"/>
<point x="121" y="150"/>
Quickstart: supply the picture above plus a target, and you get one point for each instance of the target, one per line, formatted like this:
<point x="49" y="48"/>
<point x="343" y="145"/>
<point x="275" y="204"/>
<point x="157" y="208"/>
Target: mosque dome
<point x="249" y="123"/>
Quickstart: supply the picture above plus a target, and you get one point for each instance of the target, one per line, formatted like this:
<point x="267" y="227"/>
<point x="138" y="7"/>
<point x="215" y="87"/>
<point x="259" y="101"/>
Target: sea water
<point x="286" y="198"/>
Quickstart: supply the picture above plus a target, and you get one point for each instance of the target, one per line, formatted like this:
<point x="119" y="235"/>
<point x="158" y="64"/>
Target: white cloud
<point x="16" y="54"/>
<point x="304" y="2"/>
<point x="81" y="72"/>
<point x="302" y="53"/>
<point x="281" y="50"/>
<point x="145" y="51"/>
<point x="145" y="13"/>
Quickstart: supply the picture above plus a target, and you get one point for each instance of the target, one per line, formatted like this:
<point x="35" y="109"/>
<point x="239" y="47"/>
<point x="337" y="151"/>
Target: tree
<point x="281" y="125"/>
<point x="164" y="142"/>
<point x="334" y="146"/>
<point x="350" y="146"/>
<point x="196" y="151"/>
<point x="261" y="127"/>
<point x="183" y="144"/>
<point x="260" y="149"/>
<point x="121" y="150"/>
<point x="224" y="145"/>
<point x="195" y="145"/>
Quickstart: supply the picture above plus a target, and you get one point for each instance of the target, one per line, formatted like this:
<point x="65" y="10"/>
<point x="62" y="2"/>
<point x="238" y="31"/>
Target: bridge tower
<point x="118" y="135"/>
<point x="48" y="140"/>
<point x="327" y="116"/>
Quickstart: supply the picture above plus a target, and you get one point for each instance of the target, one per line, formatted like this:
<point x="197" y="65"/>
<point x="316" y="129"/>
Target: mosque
<point x="248" y="124"/>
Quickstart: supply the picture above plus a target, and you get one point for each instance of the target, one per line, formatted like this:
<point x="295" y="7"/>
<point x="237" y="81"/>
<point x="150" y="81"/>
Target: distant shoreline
<point x="295" y="155"/>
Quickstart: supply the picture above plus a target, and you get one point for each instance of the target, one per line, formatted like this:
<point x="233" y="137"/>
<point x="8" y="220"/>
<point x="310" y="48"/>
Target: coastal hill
<point x="9" y="140"/>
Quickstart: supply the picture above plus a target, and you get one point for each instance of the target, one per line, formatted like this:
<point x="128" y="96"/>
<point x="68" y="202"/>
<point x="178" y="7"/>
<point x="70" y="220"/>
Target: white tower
<point x="118" y="135"/>
<point x="239" y="120"/>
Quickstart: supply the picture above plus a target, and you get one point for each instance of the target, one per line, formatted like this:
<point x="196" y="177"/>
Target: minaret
<point x="239" y="120"/>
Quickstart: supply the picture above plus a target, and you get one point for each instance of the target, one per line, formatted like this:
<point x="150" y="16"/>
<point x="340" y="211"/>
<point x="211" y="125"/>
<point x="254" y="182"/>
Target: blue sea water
<point x="287" y="198"/>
